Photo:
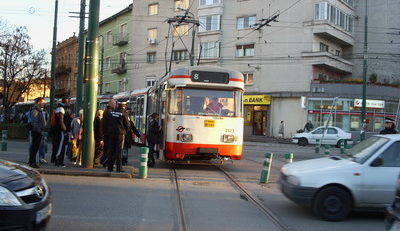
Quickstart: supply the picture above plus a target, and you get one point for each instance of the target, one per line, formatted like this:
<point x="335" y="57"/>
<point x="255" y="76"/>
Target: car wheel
<point x="332" y="204"/>
<point x="303" y="141"/>
<point x="338" y="143"/>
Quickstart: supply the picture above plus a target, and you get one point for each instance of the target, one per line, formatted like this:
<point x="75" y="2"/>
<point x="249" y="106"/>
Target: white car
<point x="328" y="135"/>
<point x="332" y="186"/>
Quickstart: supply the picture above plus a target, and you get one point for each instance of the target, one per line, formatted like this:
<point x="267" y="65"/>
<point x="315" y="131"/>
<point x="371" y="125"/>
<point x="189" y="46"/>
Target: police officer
<point x="390" y="127"/>
<point x="106" y="123"/>
<point x="119" y="123"/>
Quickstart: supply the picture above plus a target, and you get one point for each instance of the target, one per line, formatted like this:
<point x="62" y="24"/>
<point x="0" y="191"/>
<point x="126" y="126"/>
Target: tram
<point x="201" y="113"/>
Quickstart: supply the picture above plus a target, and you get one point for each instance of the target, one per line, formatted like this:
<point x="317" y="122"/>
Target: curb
<point x="73" y="172"/>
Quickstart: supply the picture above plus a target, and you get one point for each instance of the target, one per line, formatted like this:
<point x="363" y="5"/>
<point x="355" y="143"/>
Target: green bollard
<point x="349" y="146"/>
<point x="144" y="151"/>
<point x="4" y="140"/>
<point x="342" y="151"/>
<point x="266" y="167"/>
<point x="289" y="157"/>
<point x="317" y="145"/>
<point x="327" y="149"/>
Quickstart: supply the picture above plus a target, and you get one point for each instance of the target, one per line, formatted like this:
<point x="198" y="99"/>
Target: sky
<point x="38" y="17"/>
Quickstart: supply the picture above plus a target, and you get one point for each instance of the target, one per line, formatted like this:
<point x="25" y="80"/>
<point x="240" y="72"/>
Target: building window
<point x="337" y="53"/>
<point x="122" y="60"/>
<point x="181" y="5"/>
<point x="209" y="50"/>
<point x="246" y="22"/>
<point x="124" y="30"/>
<point x="101" y="40"/>
<point x="108" y="63"/>
<point x="209" y="2"/>
<point x="326" y="11"/>
<point x="248" y="78"/>
<point x="323" y="47"/>
<point x="151" y="57"/>
<point x="107" y="87"/>
<point x="153" y="9"/>
<point x="152" y="33"/>
<point x="122" y="85"/>
<point x="245" y="50"/>
<point x="209" y="23"/>
<point x="109" y="37"/>
<point x="180" y="55"/>
<point x="181" y="30"/>
<point x="150" y="81"/>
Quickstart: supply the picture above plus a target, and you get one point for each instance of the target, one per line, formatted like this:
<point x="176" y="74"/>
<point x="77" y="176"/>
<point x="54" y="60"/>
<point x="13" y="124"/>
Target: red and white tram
<point x="201" y="113"/>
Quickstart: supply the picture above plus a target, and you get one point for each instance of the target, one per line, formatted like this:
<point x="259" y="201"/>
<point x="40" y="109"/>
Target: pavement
<point x="17" y="151"/>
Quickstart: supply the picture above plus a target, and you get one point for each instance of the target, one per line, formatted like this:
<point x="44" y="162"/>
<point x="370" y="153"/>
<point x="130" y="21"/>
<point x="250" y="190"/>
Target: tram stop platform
<point x="18" y="151"/>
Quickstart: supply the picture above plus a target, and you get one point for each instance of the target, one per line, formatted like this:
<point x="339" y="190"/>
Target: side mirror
<point x="377" y="162"/>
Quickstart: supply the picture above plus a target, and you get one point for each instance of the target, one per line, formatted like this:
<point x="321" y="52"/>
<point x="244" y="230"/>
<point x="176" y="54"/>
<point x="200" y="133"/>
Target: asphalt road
<point x="209" y="201"/>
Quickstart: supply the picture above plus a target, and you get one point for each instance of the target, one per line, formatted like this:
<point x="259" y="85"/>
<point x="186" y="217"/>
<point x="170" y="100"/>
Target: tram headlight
<point x="228" y="138"/>
<point x="186" y="137"/>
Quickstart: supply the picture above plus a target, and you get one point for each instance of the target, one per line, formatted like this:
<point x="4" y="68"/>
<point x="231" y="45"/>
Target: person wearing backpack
<point x="38" y="123"/>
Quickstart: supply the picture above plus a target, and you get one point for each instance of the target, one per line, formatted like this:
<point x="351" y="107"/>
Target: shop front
<point x="346" y="113"/>
<point x="256" y="109"/>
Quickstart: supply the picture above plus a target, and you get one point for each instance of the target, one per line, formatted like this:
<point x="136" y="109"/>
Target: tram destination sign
<point x="210" y="77"/>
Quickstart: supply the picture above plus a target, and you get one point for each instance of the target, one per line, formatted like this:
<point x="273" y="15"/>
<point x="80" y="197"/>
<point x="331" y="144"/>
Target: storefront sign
<point x="370" y="103"/>
<point x="257" y="99"/>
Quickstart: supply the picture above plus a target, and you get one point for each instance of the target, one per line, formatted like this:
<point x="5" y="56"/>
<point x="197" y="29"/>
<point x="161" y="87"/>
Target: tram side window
<point x="175" y="104"/>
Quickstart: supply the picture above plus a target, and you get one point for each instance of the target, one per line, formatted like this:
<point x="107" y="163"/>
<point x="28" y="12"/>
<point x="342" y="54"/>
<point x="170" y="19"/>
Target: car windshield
<point x="362" y="151"/>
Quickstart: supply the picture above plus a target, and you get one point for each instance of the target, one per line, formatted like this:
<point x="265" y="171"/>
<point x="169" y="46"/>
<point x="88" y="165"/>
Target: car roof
<point x="390" y="136"/>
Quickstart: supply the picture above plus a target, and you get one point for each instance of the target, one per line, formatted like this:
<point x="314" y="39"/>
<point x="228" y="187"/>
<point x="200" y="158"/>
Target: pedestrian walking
<point x="98" y="136"/>
<point x="281" y="131"/>
<point x="153" y="137"/>
<point x="76" y="138"/>
<point x="120" y="125"/>
<point x="390" y="127"/>
<point x="308" y="127"/>
<point x="38" y="128"/>
<point x="59" y="132"/>
<point x="106" y="123"/>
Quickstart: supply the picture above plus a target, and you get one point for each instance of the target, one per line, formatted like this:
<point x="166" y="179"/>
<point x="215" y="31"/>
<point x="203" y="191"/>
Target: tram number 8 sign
<point x="210" y="77"/>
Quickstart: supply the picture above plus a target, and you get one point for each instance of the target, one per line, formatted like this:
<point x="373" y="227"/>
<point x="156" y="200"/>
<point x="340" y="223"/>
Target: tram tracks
<point x="244" y="194"/>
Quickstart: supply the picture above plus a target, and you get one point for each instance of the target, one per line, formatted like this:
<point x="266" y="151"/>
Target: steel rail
<point x="271" y="216"/>
<point x="181" y="217"/>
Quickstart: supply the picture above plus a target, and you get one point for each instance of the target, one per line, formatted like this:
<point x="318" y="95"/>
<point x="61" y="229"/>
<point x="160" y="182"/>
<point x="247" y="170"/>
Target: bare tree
<point x="21" y="65"/>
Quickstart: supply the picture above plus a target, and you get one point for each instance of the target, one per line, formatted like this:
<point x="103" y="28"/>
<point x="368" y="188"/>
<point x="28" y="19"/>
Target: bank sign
<point x="370" y="103"/>
<point x="257" y="99"/>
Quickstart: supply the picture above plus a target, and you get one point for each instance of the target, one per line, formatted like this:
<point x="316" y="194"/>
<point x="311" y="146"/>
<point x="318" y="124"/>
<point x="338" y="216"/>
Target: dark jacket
<point x="128" y="138"/>
<point x="388" y="131"/>
<point x="118" y="122"/>
<point x="60" y="119"/>
<point x="153" y="132"/>
<point x="106" y="122"/>
<point x="98" y="129"/>
<point x="38" y="120"/>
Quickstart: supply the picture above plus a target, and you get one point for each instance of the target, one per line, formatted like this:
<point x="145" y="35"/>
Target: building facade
<point x="66" y="67"/>
<point x="115" y="48"/>
<point x="294" y="68"/>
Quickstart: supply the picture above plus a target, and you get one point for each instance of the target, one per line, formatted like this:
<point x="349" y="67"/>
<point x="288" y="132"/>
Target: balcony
<point x="119" y="68"/>
<point x="329" y="61"/>
<point x="331" y="32"/>
<point x="120" y="40"/>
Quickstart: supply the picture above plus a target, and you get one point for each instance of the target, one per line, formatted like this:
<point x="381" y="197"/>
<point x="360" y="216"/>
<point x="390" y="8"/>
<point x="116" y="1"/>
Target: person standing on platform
<point x="153" y="137"/>
<point x="59" y="128"/>
<point x="119" y="124"/>
<point x="106" y="123"/>
<point x="38" y="128"/>
<point x="98" y="136"/>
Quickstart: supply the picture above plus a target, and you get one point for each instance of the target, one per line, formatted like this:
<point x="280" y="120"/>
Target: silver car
<point x="326" y="135"/>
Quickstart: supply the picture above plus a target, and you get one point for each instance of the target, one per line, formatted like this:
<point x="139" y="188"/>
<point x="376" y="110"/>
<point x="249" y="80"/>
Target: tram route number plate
<point x="209" y="123"/>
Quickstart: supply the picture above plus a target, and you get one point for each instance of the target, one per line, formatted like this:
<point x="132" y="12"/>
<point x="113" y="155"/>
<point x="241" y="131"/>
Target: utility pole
<point x="91" y="81"/>
<point x="79" y="79"/>
<point x="53" y="61"/>
<point x="365" y="67"/>
<point x="101" y="66"/>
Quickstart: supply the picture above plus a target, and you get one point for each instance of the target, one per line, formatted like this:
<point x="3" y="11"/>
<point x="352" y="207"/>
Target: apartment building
<point x="115" y="48"/>
<point x="294" y="68"/>
<point x="66" y="67"/>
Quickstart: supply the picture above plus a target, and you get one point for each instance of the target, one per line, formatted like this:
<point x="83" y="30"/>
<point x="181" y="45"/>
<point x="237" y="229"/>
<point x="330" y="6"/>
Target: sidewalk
<point x="17" y="151"/>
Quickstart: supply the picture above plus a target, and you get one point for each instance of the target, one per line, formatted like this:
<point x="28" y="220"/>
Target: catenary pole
<point x="79" y="79"/>
<point x="365" y="67"/>
<point x="53" y="62"/>
<point x="91" y="80"/>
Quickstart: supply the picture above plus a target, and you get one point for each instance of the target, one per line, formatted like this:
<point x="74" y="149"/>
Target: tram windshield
<point x="206" y="102"/>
